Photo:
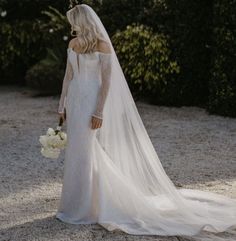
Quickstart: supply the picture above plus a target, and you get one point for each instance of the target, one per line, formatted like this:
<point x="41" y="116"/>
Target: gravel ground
<point x="196" y="149"/>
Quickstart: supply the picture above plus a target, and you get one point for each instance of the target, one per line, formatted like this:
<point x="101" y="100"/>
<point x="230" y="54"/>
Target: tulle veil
<point x="156" y="206"/>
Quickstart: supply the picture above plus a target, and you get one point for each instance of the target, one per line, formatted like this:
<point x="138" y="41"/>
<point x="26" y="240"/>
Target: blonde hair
<point x="86" y="29"/>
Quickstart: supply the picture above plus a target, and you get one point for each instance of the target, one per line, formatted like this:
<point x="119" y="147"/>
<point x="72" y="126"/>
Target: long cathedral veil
<point x="160" y="207"/>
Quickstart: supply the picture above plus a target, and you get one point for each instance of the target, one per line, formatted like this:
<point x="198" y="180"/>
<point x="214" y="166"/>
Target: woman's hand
<point x="62" y="116"/>
<point x="96" y="122"/>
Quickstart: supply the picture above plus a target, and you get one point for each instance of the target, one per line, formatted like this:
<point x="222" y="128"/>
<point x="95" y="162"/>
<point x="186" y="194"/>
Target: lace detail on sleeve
<point x="66" y="81"/>
<point x="103" y="91"/>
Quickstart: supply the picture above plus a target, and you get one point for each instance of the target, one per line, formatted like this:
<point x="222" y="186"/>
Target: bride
<point x="112" y="174"/>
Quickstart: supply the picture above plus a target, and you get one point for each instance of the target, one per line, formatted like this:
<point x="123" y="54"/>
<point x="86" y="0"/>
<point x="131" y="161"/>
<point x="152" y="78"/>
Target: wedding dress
<point x="112" y="175"/>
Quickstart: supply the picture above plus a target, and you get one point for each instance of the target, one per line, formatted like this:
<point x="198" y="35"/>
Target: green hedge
<point x="222" y="99"/>
<point x="23" y="38"/>
<point x="19" y="49"/>
<point x="145" y="60"/>
<point x="45" y="78"/>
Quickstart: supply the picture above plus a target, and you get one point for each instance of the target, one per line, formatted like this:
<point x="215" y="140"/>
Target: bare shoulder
<point x="73" y="43"/>
<point x="104" y="46"/>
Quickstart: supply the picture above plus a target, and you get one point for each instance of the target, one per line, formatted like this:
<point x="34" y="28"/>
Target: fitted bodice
<point x="85" y="65"/>
<point x="91" y="71"/>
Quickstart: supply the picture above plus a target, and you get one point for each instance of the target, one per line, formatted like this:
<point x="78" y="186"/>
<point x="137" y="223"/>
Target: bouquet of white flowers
<point x="53" y="142"/>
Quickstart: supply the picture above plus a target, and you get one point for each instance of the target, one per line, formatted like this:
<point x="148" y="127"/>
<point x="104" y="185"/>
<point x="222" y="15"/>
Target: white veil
<point x="154" y="204"/>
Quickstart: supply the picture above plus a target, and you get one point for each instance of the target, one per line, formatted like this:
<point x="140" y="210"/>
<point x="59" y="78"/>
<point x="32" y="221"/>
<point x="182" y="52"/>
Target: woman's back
<point x="87" y="65"/>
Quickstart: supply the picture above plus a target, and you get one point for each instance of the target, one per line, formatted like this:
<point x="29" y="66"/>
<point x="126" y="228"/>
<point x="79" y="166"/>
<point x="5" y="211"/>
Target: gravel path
<point x="197" y="150"/>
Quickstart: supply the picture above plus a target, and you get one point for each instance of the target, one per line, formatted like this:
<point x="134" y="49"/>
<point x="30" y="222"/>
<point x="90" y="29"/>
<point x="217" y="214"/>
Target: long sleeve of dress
<point x="104" y="88"/>
<point x="66" y="81"/>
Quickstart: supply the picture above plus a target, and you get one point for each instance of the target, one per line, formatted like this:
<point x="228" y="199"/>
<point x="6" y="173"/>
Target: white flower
<point x="63" y="135"/>
<point x="50" y="152"/>
<point x="52" y="143"/>
<point x="65" y="38"/>
<point x="43" y="140"/>
<point x="51" y="30"/>
<point x="3" y="13"/>
<point x="61" y="144"/>
<point x="50" y="132"/>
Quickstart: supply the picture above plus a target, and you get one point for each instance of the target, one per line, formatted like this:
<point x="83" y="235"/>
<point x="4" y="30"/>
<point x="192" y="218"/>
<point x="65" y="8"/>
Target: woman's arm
<point x="104" y="88"/>
<point x="66" y="81"/>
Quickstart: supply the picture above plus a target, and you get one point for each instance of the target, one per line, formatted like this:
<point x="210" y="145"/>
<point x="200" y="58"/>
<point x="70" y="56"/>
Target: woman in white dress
<point x="112" y="174"/>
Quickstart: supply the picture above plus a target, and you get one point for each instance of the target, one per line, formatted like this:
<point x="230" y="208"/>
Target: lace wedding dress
<point x="112" y="175"/>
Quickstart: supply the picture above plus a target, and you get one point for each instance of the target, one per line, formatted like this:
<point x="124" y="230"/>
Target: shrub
<point x="46" y="76"/>
<point x="19" y="49"/>
<point x="145" y="60"/>
<point x="22" y="39"/>
<point x="222" y="99"/>
<point x="189" y="27"/>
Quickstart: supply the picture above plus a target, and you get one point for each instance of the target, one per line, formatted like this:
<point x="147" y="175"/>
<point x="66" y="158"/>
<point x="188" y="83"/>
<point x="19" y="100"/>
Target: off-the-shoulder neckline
<point x="88" y="53"/>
